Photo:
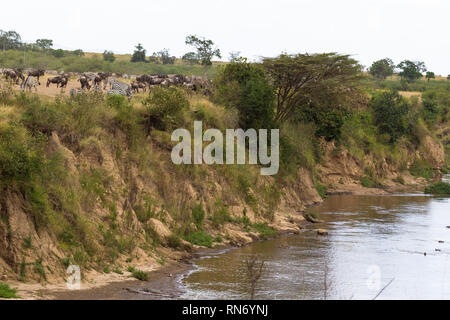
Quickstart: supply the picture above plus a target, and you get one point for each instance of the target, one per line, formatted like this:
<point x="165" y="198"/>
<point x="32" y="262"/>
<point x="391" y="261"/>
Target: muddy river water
<point x="388" y="247"/>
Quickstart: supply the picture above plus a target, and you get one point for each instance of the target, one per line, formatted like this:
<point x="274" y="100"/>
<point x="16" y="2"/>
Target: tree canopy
<point x="205" y="50"/>
<point x="10" y="40"/>
<point x="381" y="69"/>
<point x="411" y="70"/>
<point x="244" y="86"/>
<point x="300" y="78"/>
<point x="430" y="75"/>
<point x="138" y="54"/>
<point x="109" y="56"/>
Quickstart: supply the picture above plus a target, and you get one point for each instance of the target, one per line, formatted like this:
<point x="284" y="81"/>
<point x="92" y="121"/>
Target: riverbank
<point x="164" y="279"/>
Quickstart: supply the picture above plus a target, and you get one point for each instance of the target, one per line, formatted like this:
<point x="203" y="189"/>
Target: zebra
<point x="121" y="88"/>
<point x="75" y="92"/>
<point x="29" y="83"/>
<point x="115" y="92"/>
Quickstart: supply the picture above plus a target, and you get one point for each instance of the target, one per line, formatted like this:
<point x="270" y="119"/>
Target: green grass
<point x="442" y="188"/>
<point x="200" y="238"/>
<point x="369" y="182"/>
<point x="7" y="292"/>
<point x="421" y="168"/>
<point x="140" y="275"/>
<point x="321" y="190"/>
<point x="265" y="232"/>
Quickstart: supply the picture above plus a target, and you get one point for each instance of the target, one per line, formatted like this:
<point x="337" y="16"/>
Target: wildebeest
<point x="84" y="83"/>
<point x="56" y="80"/>
<point x="14" y="75"/>
<point x="135" y="86"/>
<point x="36" y="73"/>
<point x="104" y="77"/>
<point x="63" y="82"/>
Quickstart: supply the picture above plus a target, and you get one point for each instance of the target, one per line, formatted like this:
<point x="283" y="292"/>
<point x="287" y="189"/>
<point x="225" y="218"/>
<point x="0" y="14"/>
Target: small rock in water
<point x="437" y="249"/>
<point x="322" y="232"/>
<point x="441" y="241"/>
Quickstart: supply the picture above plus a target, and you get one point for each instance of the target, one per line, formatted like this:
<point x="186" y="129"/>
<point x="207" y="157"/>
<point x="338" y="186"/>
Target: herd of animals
<point x="99" y="81"/>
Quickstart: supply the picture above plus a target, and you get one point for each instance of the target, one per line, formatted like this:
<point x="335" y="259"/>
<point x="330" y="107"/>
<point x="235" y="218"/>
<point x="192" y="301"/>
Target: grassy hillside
<point x="94" y="62"/>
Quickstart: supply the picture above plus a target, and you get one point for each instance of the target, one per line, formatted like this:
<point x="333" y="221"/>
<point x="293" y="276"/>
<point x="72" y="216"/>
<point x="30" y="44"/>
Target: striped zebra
<point x="75" y="92"/>
<point x="121" y="88"/>
<point x="29" y="83"/>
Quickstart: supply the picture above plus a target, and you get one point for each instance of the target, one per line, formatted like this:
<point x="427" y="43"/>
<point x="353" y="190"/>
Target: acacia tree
<point x="138" y="54"/>
<point x="381" y="69"/>
<point x="205" y="50"/>
<point x="108" y="56"/>
<point x="164" y="56"/>
<point x="430" y="75"/>
<point x="411" y="70"/>
<point x="10" y="40"/>
<point x="300" y="78"/>
<point x="44" y="44"/>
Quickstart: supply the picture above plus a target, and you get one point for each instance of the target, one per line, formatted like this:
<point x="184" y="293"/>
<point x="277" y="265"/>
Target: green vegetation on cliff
<point x="93" y="176"/>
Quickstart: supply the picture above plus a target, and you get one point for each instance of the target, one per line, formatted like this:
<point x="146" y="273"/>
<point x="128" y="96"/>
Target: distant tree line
<point x="409" y="71"/>
<point x="11" y="40"/>
<point x="204" y="52"/>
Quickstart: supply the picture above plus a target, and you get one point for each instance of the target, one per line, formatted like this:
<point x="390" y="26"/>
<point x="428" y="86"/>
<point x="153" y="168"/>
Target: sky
<point x="368" y="30"/>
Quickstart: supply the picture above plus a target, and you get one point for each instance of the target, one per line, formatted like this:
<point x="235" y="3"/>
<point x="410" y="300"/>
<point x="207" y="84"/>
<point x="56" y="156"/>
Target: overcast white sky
<point x="369" y="30"/>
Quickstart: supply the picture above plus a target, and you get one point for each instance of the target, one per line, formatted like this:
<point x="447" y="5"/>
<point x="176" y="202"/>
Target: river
<point x="384" y="247"/>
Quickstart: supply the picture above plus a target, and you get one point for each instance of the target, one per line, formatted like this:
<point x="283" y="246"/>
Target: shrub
<point x="7" y="292"/>
<point x="140" y="274"/>
<point x="173" y="241"/>
<point x="198" y="214"/>
<point x="200" y="238"/>
<point x="369" y="182"/>
<point x="21" y="156"/>
<point x="438" y="188"/>
<point x="244" y="86"/>
<point x="390" y="114"/>
<point x="421" y="168"/>
<point x="165" y="107"/>
<point x="264" y="230"/>
<point x="220" y="215"/>
<point x="321" y="190"/>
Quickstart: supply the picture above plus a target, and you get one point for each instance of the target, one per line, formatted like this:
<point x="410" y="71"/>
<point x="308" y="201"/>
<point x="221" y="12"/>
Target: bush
<point x="321" y="190"/>
<point x="173" y="241"/>
<point x="390" y="114"/>
<point x="421" y="168"/>
<point x="21" y="155"/>
<point x="140" y="274"/>
<point x="165" y="107"/>
<point x="198" y="214"/>
<point x="244" y="86"/>
<point x="220" y="215"/>
<point x="200" y="238"/>
<point x="438" y="188"/>
<point x="264" y="230"/>
<point x="369" y="182"/>
<point x="7" y="292"/>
